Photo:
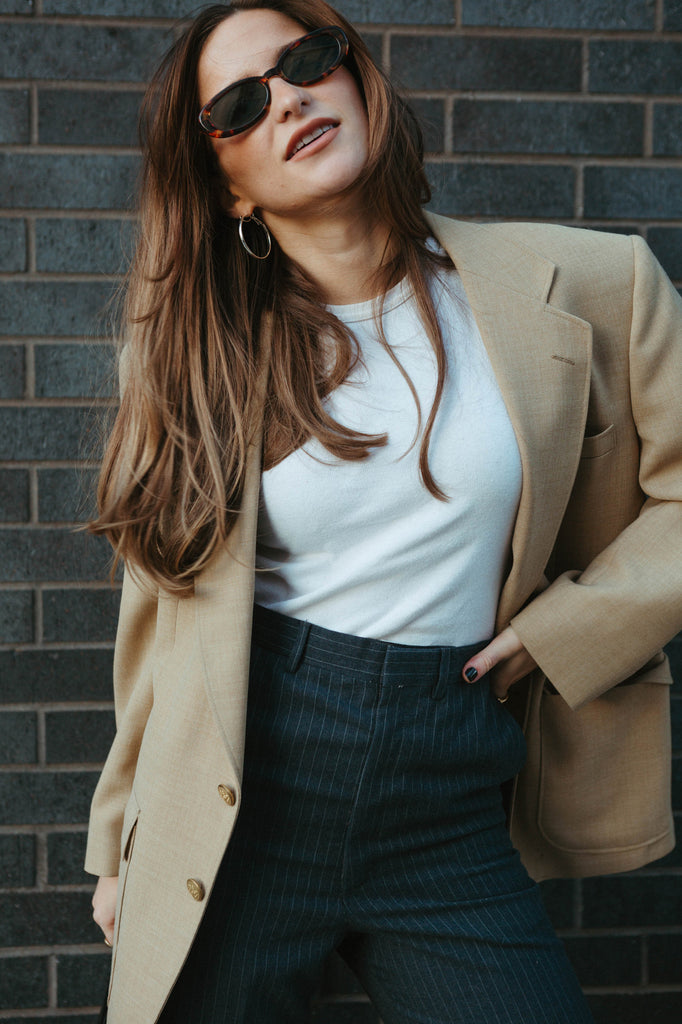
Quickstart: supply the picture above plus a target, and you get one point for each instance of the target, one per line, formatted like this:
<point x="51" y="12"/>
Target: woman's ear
<point x="231" y="204"/>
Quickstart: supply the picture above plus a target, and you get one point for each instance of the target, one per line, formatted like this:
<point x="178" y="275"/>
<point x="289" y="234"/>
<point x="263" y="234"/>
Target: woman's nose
<point x="287" y="98"/>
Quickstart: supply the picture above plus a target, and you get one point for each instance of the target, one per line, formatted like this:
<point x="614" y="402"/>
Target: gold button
<point x="228" y="795"/>
<point x="196" y="889"/>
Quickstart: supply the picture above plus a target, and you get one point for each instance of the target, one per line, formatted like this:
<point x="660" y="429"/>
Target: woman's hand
<point x="104" y="906"/>
<point x="505" y="658"/>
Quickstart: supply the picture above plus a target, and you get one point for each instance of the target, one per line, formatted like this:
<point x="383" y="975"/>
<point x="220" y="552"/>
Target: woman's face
<point x="263" y="168"/>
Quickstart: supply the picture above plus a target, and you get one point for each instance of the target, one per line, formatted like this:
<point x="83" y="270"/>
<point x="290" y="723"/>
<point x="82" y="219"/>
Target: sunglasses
<point x="306" y="61"/>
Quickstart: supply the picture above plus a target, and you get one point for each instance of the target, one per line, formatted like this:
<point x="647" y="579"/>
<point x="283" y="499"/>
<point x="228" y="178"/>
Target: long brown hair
<point x="173" y="472"/>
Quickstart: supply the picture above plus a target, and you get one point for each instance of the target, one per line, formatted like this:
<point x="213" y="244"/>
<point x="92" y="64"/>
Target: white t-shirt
<point x="363" y="547"/>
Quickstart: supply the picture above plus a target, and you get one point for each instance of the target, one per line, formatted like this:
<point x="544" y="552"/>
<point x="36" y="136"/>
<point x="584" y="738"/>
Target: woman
<point x="425" y="534"/>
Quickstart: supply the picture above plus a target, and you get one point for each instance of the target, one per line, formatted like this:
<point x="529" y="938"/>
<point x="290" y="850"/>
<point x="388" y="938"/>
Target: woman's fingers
<point x="504" y="658"/>
<point x="104" y="906"/>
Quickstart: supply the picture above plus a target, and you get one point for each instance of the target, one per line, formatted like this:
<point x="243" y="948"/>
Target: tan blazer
<point x="584" y="332"/>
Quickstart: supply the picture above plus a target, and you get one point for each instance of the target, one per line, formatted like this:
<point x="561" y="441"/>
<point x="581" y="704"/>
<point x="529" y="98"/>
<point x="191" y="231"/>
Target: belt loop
<point x="296" y="655"/>
<point x="441" y="688"/>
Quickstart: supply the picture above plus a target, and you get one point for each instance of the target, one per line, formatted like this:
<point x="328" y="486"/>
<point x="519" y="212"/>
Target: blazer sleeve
<point x="133" y="698"/>
<point x="595" y="628"/>
<point x="135" y="639"/>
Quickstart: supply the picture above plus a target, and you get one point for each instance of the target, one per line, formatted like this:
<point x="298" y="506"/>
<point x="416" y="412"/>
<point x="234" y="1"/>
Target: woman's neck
<point x="341" y="254"/>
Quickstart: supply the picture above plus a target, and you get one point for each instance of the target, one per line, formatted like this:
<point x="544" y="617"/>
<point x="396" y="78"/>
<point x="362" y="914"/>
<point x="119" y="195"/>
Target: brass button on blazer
<point x="228" y="795"/>
<point x="196" y="889"/>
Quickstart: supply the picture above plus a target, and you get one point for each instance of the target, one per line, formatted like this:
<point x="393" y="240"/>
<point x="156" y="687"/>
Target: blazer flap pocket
<point x="599" y="444"/>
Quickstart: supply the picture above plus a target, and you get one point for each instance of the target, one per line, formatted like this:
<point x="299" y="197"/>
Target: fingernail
<point x="471" y="673"/>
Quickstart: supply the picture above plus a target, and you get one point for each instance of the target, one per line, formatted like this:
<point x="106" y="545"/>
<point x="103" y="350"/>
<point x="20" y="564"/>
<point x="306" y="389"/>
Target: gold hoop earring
<point x="251" y="217"/>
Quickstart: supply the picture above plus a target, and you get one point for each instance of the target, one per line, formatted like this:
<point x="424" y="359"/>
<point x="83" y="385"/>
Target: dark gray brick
<point x="431" y="117"/>
<point x="613" y="14"/>
<point x="122" y="8"/>
<point x="450" y="62"/>
<point x="55" y="554"/>
<point x="18" y="737"/>
<point x="45" y="798"/>
<point x="668" y="129"/>
<point x="12" y="245"/>
<point x="97" y="117"/>
<point x="14" y="116"/>
<point x="96" y="53"/>
<point x="631" y="901"/>
<point x="80" y="615"/>
<point x="642" y="192"/>
<point x="665" y="957"/>
<point x="23" y="982"/>
<point x="65" y="856"/>
<point x="435" y="12"/>
<point x="672" y="15"/>
<point x="11" y="371"/>
<point x="605" y="960"/>
<point x="42" y="432"/>
<point x="75" y="371"/>
<point x="66" y="495"/>
<point x="37" y="919"/>
<point x="17" y="860"/>
<point x="398" y="12"/>
<point x="16" y="6"/>
<point x="16" y="616"/>
<point x="499" y="126"/>
<point x="53" y="308"/>
<point x="27" y="676"/>
<point x="78" y="736"/>
<point x="482" y="190"/>
<point x="82" y="979"/>
<point x="635" y="67"/>
<point x="558" y="898"/>
<point x="50" y="181"/>
<point x="14" y="495"/>
<point x="636" y="1008"/>
<point x="83" y="246"/>
<point x="666" y="244"/>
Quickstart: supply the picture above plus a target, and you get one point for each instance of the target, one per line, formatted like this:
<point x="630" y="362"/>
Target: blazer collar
<point x="541" y="357"/>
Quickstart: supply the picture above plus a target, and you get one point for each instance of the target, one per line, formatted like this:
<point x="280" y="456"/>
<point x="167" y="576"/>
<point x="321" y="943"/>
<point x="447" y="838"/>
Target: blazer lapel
<point x="224" y="610"/>
<point x="541" y="357"/>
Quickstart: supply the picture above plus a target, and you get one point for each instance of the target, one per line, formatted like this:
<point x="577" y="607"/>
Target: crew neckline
<point x="355" y="312"/>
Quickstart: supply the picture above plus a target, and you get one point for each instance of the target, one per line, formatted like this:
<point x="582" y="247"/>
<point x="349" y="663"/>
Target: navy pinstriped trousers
<point x="372" y="821"/>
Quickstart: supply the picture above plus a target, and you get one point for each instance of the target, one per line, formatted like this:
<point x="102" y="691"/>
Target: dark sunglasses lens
<point x="312" y="59"/>
<point x="239" y="106"/>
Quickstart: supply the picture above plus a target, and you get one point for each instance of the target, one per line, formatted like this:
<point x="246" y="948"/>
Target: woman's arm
<point x="590" y="630"/>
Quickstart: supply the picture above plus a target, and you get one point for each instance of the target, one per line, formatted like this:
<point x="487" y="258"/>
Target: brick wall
<point x="569" y="110"/>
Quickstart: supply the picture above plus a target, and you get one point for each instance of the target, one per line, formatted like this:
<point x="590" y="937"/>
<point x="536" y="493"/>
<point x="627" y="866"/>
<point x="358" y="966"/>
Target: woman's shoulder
<point x="581" y="264"/>
<point x="567" y="245"/>
<point x="557" y="242"/>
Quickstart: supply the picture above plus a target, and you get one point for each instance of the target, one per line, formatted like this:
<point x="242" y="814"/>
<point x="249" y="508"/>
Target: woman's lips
<point x="310" y="139"/>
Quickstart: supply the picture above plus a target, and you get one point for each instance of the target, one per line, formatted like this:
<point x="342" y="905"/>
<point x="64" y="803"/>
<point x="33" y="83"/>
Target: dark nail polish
<point x="471" y="673"/>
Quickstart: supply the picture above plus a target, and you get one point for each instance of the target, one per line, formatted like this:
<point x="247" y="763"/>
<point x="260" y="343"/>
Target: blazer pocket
<point x="599" y="444"/>
<point x="605" y="769"/>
